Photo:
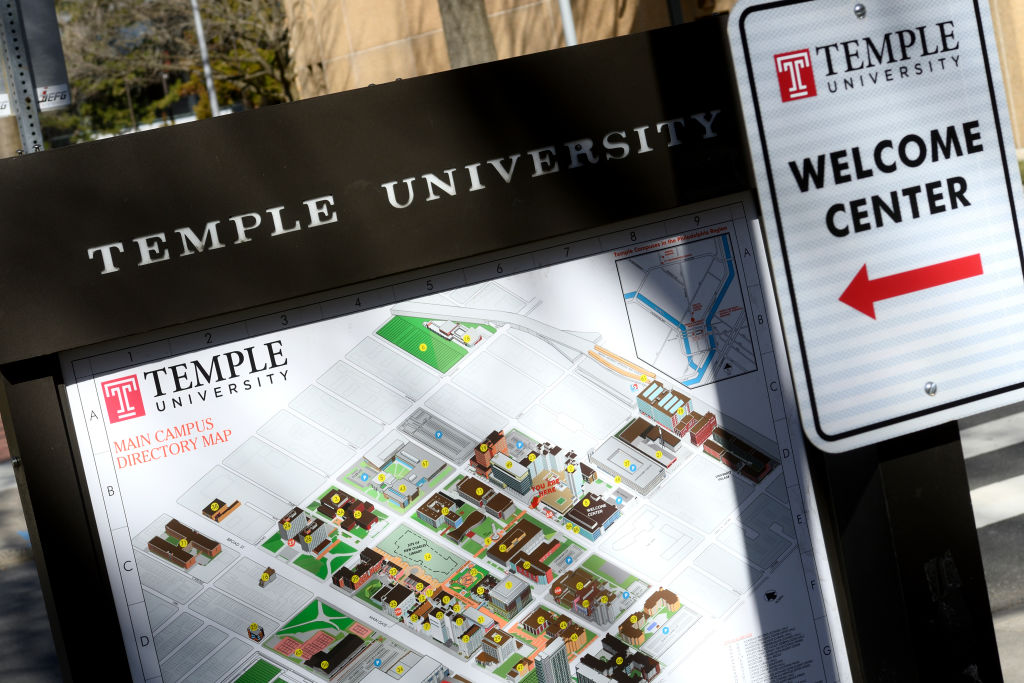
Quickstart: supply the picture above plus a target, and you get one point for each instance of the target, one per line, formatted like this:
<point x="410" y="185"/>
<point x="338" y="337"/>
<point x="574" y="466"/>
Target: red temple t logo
<point x="796" y="76"/>
<point x="123" y="399"/>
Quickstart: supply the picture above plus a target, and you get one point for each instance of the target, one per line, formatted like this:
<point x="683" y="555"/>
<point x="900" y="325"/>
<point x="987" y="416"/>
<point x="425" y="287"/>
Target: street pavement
<point x="993" y="446"/>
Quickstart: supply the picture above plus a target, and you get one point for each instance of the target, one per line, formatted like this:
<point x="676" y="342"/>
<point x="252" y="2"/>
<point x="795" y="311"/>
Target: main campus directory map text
<point x="577" y="466"/>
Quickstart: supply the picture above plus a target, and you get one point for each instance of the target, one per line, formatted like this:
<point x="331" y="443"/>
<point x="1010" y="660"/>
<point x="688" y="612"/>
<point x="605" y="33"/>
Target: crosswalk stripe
<point x="980" y="438"/>
<point x="996" y="502"/>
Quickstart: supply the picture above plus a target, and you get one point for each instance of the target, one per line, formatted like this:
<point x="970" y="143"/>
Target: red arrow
<point x="863" y="292"/>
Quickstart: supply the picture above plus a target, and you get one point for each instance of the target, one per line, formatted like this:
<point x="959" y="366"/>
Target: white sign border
<point x="773" y="233"/>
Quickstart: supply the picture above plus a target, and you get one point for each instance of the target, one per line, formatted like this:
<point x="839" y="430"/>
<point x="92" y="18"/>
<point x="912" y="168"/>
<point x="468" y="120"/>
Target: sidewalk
<point x="29" y="655"/>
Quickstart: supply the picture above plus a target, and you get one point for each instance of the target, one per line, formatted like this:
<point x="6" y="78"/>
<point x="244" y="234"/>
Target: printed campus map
<point x="581" y="472"/>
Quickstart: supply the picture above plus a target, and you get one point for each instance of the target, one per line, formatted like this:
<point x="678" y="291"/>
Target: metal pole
<point x="207" y="72"/>
<point x="568" y="23"/>
<point x="21" y="87"/>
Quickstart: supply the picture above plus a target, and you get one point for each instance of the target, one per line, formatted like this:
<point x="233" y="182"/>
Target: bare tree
<point x="130" y="60"/>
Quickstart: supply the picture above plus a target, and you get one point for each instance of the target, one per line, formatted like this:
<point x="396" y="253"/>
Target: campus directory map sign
<point x="578" y="463"/>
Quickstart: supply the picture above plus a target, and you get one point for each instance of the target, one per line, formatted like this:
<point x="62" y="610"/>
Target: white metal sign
<point x="891" y="201"/>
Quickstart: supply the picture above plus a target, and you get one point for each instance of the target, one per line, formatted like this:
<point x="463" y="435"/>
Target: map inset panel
<point x="685" y="306"/>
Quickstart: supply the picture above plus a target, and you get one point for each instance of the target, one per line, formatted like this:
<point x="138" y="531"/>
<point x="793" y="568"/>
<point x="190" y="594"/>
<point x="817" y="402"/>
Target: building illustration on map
<point x="481" y="485"/>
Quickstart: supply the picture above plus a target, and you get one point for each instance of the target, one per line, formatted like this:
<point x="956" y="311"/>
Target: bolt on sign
<point x="891" y="202"/>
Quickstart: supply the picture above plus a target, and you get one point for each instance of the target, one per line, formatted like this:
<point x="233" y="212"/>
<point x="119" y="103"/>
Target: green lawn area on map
<point x="484" y="528"/>
<point x="409" y="334"/>
<point x="366" y="592"/>
<point x="316" y="616"/>
<point x="595" y="565"/>
<point x="508" y="665"/>
<point x="260" y="672"/>
<point x="338" y="562"/>
<point x="312" y="565"/>
<point x="274" y="543"/>
<point x="397" y="469"/>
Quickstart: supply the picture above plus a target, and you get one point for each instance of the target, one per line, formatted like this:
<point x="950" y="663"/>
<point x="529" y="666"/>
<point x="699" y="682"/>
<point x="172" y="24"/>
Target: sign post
<point x="891" y="203"/>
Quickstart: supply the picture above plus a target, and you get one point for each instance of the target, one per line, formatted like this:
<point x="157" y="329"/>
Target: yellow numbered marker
<point x="381" y="476"/>
<point x="439" y="614"/>
<point x="568" y="525"/>
<point x="479" y="590"/>
<point x="626" y="463"/>
<point x="456" y="608"/>
<point x="479" y="491"/>
<point x="579" y="585"/>
<point x="618" y="479"/>
<point x="424" y="463"/>
<point x="324" y="665"/>
<point x="508" y="585"/>
<point x="474" y="571"/>
<point x="182" y="543"/>
<point x="532" y="456"/>
<point x="394" y="604"/>
<point x="571" y="468"/>
<point x="574" y="637"/>
<point x="503" y="547"/>
<point x="427" y="557"/>
<point x="586" y="502"/>
<point x="466" y="338"/>
<point x="445" y="599"/>
<point x="419" y="586"/>
<point x="483" y="449"/>
<point x="393" y="571"/>
<point x="430" y="591"/>
<point x="632" y="619"/>
<point x="335" y="499"/>
<point x="465" y="639"/>
<point x="459" y="621"/>
<point x="658" y="454"/>
<point x="481" y="619"/>
<point x="298" y="652"/>
<point x="401" y="488"/>
<point x="266" y="576"/>
<point x="497" y="638"/>
<point x="308" y="538"/>
<point x="680" y="410"/>
<point x="604" y="599"/>
<point x="421" y="598"/>
<point x="563" y="625"/>
<point x="414" y="618"/>
<point x="426" y="626"/>
<point x="540" y="620"/>
<point x="487" y="541"/>
<point x="575" y="528"/>
<point x="399" y="669"/>
<point x="526" y="564"/>
<point x="508" y="465"/>
<point x="445" y="511"/>
<point x="619" y="660"/>
<point x="586" y="603"/>
<point x="423" y="347"/>
<point x="520" y="666"/>
<point x="215" y="506"/>
<point x="254" y="626"/>
<point x="287" y="526"/>
<point x="355" y="578"/>
<point x="643" y="378"/>
<point x="358" y="514"/>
